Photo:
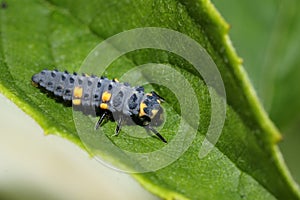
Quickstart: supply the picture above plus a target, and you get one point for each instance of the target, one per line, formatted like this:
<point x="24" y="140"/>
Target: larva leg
<point x="100" y="120"/>
<point x="118" y="128"/>
<point x="156" y="133"/>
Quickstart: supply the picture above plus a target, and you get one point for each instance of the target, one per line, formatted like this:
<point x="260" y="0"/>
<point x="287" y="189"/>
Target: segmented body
<point x="103" y="97"/>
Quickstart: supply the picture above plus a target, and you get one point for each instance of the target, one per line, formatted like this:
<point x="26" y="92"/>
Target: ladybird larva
<point x="108" y="99"/>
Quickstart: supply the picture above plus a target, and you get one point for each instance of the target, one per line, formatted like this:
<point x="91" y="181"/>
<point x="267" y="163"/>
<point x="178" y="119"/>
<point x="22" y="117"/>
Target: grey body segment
<point x="121" y="98"/>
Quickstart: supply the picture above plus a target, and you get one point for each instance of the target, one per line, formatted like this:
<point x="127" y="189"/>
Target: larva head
<point x="151" y="110"/>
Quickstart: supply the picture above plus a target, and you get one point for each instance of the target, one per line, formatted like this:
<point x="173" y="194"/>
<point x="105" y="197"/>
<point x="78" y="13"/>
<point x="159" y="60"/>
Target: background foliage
<point x="266" y="35"/>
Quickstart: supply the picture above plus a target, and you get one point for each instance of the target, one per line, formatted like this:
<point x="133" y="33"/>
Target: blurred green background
<point x="266" y="35"/>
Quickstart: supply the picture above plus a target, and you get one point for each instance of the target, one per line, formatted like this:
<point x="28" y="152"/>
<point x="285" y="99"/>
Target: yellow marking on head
<point x="77" y="92"/>
<point x="158" y="101"/>
<point x="116" y="80"/>
<point x="106" y="96"/>
<point x="154" y="112"/>
<point x="149" y="94"/>
<point x="104" y="106"/>
<point x="76" y="102"/>
<point x="142" y="106"/>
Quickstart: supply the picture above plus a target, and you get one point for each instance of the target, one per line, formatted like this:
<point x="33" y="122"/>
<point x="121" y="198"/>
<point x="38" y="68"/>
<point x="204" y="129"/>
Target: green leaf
<point x="269" y="46"/>
<point x="58" y="34"/>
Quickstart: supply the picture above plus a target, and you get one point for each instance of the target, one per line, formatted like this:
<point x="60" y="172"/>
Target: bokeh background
<point x="266" y="35"/>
